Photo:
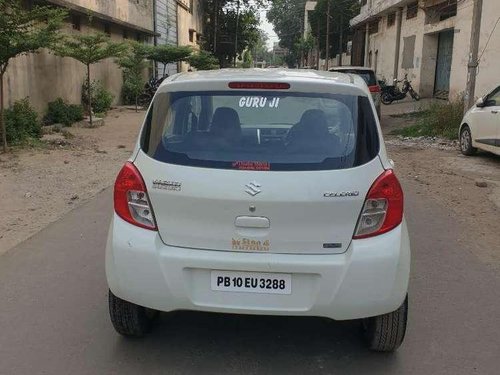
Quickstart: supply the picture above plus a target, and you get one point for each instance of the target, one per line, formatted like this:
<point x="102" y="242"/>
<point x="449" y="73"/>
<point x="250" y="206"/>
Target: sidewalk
<point x="407" y="106"/>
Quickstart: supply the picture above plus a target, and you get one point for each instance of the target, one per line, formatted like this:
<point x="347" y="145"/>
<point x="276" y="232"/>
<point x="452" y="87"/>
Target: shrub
<point x="101" y="98"/>
<point x="439" y="120"/>
<point x="59" y="112"/>
<point x="21" y="122"/>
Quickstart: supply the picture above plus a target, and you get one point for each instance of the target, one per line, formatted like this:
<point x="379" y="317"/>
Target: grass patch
<point x="439" y="120"/>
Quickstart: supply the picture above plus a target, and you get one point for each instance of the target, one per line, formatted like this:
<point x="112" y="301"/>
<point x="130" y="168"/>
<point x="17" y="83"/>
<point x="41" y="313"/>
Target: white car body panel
<point x="484" y="123"/>
<point x="369" y="279"/>
<point x="170" y="269"/>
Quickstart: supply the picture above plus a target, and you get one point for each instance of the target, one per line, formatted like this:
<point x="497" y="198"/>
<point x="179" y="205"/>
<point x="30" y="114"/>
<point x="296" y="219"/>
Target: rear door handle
<point x="494" y="112"/>
<point x="252" y="222"/>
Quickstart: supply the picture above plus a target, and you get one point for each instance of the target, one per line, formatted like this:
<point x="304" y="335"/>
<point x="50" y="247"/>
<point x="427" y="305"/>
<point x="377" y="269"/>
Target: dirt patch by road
<point x="437" y="169"/>
<point x="38" y="186"/>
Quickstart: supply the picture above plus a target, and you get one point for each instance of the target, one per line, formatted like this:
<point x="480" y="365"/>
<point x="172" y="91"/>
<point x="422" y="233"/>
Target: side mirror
<point x="480" y="103"/>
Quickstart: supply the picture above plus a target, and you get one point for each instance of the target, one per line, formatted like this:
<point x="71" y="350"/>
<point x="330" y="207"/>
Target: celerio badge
<point x="167" y="185"/>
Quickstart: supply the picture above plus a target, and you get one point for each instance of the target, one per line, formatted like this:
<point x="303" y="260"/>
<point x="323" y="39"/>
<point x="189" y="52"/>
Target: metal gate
<point x="443" y="64"/>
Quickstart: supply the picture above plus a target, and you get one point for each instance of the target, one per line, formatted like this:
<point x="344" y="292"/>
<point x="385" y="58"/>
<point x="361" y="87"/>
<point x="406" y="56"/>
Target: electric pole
<point x="470" y="91"/>
<point x="341" y="37"/>
<point x="216" y="16"/>
<point x="327" y="47"/>
<point x="236" y="35"/>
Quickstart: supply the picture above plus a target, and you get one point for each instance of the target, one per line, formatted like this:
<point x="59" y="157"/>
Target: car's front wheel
<point x="466" y="142"/>
<point x="385" y="333"/>
<point x="128" y="318"/>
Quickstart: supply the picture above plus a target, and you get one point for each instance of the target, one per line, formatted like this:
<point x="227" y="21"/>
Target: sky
<point x="268" y="28"/>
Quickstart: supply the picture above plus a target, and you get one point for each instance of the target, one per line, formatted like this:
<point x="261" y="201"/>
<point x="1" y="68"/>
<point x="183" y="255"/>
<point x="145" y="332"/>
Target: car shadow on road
<point x="204" y="343"/>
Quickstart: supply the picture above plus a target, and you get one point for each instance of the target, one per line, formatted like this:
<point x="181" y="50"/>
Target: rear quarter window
<point x="261" y="130"/>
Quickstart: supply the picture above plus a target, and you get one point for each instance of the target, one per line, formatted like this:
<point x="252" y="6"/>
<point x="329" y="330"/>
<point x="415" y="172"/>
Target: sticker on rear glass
<point x="258" y="102"/>
<point x="252" y="165"/>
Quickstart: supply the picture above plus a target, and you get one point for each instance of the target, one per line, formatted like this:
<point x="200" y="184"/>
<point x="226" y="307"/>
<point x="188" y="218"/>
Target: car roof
<point x="341" y="68"/>
<point x="292" y="76"/>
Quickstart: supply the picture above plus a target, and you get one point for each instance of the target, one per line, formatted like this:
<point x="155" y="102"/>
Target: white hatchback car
<point x="480" y="126"/>
<point x="261" y="192"/>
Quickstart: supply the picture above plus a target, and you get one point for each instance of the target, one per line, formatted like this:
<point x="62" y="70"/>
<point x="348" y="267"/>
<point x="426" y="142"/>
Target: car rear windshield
<point x="261" y="130"/>
<point x="367" y="75"/>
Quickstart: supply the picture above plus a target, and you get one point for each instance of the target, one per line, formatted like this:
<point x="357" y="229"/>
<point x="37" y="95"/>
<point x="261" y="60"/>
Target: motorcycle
<point x="149" y="91"/>
<point x="392" y="93"/>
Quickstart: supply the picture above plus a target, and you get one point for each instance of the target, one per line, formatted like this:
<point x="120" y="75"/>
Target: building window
<point x="408" y="52"/>
<point x="138" y="37"/>
<point x="107" y="29"/>
<point x="391" y="19"/>
<point x="125" y="34"/>
<point x="449" y="10"/>
<point x="412" y="10"/>
<point x="363" y="2"/>
<point x="191" y="35"/>
<point x="76" y="22"/>
<point x="373" y="28"/>
<point x="191" y="6"/>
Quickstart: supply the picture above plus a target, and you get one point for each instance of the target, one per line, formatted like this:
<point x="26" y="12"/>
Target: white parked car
<point x="261" y="192"/>
<point x="480" y="128"/>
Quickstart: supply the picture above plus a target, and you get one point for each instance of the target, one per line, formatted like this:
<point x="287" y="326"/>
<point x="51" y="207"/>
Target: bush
<point x="101" y="98"/>
<point x="59" y="112"/>
<point x="439" y="120"/>
<point x="133" y="86"/>
<point x="21" y="122"/>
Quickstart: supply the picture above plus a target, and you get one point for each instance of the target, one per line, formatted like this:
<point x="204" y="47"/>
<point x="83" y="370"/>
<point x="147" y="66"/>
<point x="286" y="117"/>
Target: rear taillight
<point x="383" y="208"/>
<point x="131" y="198"/>
<point x="375" y="88"/>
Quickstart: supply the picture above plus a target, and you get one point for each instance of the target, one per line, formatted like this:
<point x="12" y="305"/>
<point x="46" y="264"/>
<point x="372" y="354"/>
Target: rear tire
<point x="466" y="142"/>
<point x="128" y="318"/>
<point x="385" y="333"/>
<point x="386" y="98"/>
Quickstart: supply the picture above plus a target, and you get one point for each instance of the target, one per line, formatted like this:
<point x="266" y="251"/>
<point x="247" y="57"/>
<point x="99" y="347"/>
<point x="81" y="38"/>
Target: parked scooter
<point x="393" y="93"/>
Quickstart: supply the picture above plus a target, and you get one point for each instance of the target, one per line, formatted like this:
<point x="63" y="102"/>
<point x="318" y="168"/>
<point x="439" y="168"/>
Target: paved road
<point x="53" y="314"/>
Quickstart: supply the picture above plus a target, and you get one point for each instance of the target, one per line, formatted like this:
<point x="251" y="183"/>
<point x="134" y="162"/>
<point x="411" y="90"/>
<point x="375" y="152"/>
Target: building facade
<point x="189" y="25"/>
<point x="430" y="41"/>
<point x="43" y="77"/>
<point x="166" y="30"/>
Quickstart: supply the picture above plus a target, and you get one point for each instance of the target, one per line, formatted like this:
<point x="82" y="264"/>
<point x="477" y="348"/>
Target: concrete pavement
<point x="53" y="314"/>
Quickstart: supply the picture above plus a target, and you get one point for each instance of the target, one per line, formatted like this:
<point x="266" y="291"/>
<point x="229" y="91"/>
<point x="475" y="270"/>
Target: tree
<point x="203" y="60"/>
<point x="341" y="11"/>
<point x="287" y="17"/>
<point x="133" y="64"/>
<point x="89" y="49"/>
<point x="166" y="54"/>
<point x="24" y="31"/>
<point x="233" y="27"/>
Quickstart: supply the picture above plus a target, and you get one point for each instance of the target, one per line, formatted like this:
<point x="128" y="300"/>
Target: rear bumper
<point x="370" y="278"/>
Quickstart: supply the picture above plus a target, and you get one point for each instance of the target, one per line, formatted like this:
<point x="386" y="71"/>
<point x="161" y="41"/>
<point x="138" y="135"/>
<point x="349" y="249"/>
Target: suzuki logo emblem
<point x="252" y="188"/>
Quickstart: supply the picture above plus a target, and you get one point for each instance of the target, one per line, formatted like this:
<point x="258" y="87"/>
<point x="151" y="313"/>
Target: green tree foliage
<point x="287" y="17"/>
<point x="341" y="11"/>
<point x="133" y="64"/>
<point x="167" y="54"/>
<point x="24" y="31"/>
<point x="203" y="60"/>
<point x="232" y="26"/>
<point x="89" y="49"/>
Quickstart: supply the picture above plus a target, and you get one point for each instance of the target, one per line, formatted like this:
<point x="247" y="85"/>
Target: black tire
<point x="128" y="318"/>
<point x="385" y="333"/>
<point x="386" y="98"/>
<point x="466" y="141"/>
<point x="414" y="95"/>
<point x="144" y="100"/>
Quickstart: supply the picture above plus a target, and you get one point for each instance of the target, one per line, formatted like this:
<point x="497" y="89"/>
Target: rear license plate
<point x="251" y="282"/>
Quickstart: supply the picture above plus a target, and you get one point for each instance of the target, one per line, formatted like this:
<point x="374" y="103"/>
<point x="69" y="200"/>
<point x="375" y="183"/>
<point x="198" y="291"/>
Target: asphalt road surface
<point x="54" y="318"/>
